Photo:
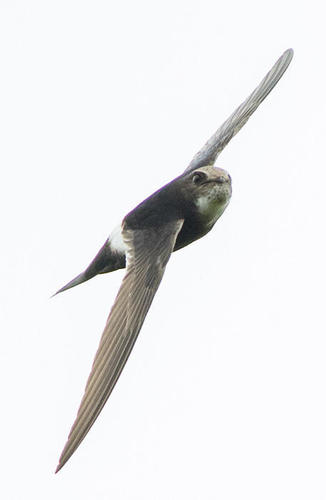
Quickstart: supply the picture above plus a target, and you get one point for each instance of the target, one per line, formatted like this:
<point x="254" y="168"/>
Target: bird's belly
<point x="192" y="230"/>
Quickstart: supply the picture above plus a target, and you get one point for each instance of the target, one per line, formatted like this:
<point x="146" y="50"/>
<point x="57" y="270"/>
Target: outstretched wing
<point x="148" y="251"/>
<point x="210" y="151"/>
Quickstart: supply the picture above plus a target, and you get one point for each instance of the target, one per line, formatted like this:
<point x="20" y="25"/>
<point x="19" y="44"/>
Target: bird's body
<point x="170" y="202"/>
<point x="179" y="213"/>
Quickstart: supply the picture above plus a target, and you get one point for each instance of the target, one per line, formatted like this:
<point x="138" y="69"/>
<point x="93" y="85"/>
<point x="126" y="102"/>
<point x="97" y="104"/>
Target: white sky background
<point x="224" y="394"/>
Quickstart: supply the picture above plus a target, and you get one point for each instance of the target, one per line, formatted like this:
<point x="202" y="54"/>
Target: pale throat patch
<point x="210" y="208"/>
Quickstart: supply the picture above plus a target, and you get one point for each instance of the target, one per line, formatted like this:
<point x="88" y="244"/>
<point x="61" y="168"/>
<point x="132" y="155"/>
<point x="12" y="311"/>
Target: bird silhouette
<point x="179" y="213"/>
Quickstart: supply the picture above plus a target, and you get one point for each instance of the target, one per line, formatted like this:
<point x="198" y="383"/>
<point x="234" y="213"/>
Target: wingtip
<point x="284" y="61"/>
<point x="60" y="464"/>
<point x="287" y="56"/>
<point x="289" y="52"/>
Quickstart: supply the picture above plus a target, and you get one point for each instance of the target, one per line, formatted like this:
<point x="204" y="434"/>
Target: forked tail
<point x="76" y="281"/>
<point x="106" y="261"/>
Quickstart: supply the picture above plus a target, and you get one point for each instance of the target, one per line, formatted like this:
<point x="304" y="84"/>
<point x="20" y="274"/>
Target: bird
<point x="174" y="216"/>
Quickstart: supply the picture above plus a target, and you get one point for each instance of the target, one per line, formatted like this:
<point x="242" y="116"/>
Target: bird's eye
<point x="198" y="177"/>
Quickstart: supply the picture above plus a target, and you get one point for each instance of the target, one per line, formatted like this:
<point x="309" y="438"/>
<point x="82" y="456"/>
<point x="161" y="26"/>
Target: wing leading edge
<point x="148" y="252"/>
<point x="213" y="147"/>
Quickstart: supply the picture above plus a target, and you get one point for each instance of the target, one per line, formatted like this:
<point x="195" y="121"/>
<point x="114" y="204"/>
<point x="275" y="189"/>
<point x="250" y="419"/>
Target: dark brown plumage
<point x="171" y="218"/>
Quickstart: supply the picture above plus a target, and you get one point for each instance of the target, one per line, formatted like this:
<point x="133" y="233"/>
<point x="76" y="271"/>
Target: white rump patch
<point x="116" y="242"/>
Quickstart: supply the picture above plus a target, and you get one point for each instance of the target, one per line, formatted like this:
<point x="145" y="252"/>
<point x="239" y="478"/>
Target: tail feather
<point x="106" y="261"/>
<point x="76" y="281"/>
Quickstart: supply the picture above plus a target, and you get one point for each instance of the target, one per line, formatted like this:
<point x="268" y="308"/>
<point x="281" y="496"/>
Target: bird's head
<point x="210" y="182"/>
<point x="210" y="191"/>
